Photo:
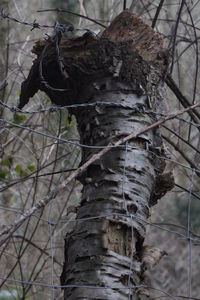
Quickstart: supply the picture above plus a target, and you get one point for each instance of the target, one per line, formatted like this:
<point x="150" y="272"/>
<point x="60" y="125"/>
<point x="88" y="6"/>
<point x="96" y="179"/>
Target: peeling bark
<point x="122" y="71"/>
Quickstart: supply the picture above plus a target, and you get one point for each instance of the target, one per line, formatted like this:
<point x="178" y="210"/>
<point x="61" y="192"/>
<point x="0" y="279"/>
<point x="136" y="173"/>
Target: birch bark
<point x="122" y="72"/>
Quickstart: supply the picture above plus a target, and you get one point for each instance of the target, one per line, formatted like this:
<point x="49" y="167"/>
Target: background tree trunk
<point x="122" y="73"/>
<point x="3" y="55"/>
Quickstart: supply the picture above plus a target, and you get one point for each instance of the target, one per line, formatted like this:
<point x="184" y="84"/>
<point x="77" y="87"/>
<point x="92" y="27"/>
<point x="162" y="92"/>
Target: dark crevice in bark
<point x="123" y="69"/>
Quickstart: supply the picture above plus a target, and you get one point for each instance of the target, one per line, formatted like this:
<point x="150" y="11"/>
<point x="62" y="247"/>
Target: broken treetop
<point x="128" y="50"/>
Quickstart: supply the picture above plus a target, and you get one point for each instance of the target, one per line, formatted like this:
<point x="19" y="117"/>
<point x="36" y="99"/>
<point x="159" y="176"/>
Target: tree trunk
<point x="119" y="78"/>
<point x="3" y="56"/>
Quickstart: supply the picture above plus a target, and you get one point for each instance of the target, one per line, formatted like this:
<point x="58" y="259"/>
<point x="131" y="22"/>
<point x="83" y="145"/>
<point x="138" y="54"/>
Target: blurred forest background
<point x="35" y="153"/>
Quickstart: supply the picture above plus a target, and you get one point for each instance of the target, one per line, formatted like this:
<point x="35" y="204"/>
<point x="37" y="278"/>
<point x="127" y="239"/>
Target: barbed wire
<point x="36" y="25"/>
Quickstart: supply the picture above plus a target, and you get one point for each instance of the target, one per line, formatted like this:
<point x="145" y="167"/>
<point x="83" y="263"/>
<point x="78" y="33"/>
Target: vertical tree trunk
<point x="3" y="54"/>
<point x="105" y="248"/>
<point x="121" y="72"/>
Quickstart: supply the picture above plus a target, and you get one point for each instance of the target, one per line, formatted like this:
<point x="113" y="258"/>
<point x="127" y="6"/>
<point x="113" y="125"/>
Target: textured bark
<point x="122" y="72"/>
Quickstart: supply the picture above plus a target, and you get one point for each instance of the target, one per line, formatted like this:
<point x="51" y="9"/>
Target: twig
<point x="196" y="63"/>
<point x="183" y="100"/>
<point x="175" y="34"/>
<point x="124" y="5"/>
<point x="72" y="13"/>
<point x="187" y="191"/>
<point x="182" y="153"/>
<point x="28" y="241"/>
<point x="157" y="13"/>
